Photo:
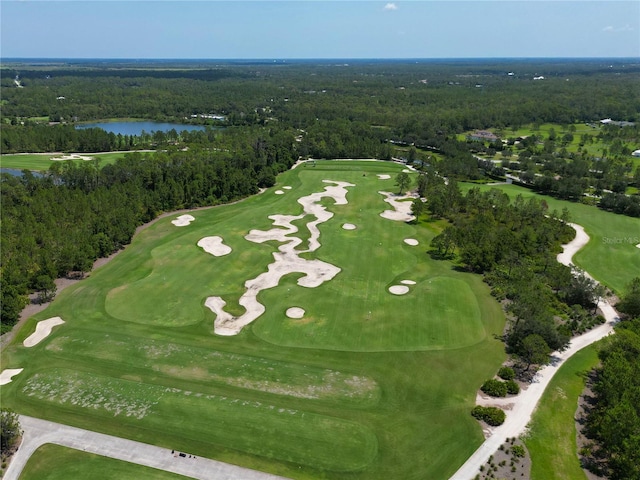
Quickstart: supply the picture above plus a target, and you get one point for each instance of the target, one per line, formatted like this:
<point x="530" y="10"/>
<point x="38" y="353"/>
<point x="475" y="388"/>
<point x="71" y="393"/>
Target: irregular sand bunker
<point x="7" y="375"/>
<point x="43" y="329"/>
<point x="183" y="220"/>
<point x="349" y="226"/>
<point x="398" y="289"/>
<point x="287" y="259"/>
<point x="638" y="245"/>
<point x="408" y="282"/>
<point x="279" y="192"/>
<point x="401" y="205"/>
<point x="295" y="312"/>
<point x="73" y="156"/>
<point x="214" y="246"/>
<point x="411" y="241"/>
<point x="383" y="176"/>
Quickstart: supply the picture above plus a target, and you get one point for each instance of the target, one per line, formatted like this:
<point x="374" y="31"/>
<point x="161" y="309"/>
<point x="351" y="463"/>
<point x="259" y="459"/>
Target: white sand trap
<point x="383" y="176"/>
<point x="43" y="329"/>
<point x="73" y="156"/>
<point x="295" y="312"/>
<point x="349" y="226"/>
<point x="401" y="205"/>
<point x="279" y="192"/>
<point x="287" y="187"/>
<point x="398" y="289"/>
<point x="183" y="220"/>
<point x="7" y="375"/>
<point x="287" y="259"/>
<point x="411" y="241"/>
<point x="408" y="282"/>
<point x="214" y="246"/>
<point x="638" y="245"/>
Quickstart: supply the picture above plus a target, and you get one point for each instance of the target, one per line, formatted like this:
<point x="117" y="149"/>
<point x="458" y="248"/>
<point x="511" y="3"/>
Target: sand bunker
<point x="214" y="246"/>
<point x="43" y="329"/>
<point x="408" y="282"/>
<point x="287" y="187"/>
<point x="638" y="245"/>
<point x="295" y="312"/>
<point x="402" y="207"/>
<point x="279" y="192"/>
<point x="411" y="241"/>
<point x="398" y="289"/>
<point x="382" y="176"/>
<point x="287" y="259"/>
<point x="73" y="156"/>
<point x="7" y="375"/>
<point x="183" y="220"/>
<point x="349" y="226"/>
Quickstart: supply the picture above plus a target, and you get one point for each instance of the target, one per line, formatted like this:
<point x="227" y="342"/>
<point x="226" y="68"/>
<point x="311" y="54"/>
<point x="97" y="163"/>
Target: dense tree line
<point x="63" y="221"/>
<point x="514" y="245"/>
<point x="614" y="420"/>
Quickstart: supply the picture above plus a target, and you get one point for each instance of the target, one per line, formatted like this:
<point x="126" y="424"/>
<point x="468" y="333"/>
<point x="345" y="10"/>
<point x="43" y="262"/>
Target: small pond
<point x="136" y="128"/>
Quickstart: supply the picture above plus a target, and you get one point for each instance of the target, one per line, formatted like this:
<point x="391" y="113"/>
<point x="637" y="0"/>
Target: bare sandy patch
<point x="383" y="176"/>
<point x="43" y="329"/>
<point x="287" y="187"/>
<point x="349" y="226"/>
<point x="295" y="312"/>
<point x="399" y="289"/>
<point x="7" y="375"/>
<point x="638" y="245"/>
<point x="401" y="207"/>
<point x="287" y="260"/>
<point x="408" y="282"/>
<point x="279" y="192"/>
<point x="183" y="220"/>
<point x="214" y="246"/>
<point x="411" y="241"/>
<point x="73" y="156"/>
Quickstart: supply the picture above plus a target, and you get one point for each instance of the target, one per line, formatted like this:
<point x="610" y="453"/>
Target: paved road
<point x="38" y="432"/>
<point x="525" y="403"/>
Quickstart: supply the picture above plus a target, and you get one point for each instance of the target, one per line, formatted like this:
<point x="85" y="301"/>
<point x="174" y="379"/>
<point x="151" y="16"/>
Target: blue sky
<point x="318" y="29"/>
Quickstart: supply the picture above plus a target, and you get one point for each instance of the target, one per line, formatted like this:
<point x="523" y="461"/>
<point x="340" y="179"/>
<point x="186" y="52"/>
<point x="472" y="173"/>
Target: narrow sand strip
<point x="287" y="187"/>
<point x="43" y="329"/>
<point x="183" y="220"/>
<point x="411" y="241"/>
<point x="287" y="259"/>
<point x="349" y="226"/>
<point x="214" y="246"/>
<point x="7" y="375"/>
<point x="383" y="176"/>
<point x="408" y="282"/>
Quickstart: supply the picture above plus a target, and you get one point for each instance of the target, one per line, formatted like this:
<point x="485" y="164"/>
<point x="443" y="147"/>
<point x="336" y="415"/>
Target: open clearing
<point x="349" y="390"/>
<point x="42" y="161"/>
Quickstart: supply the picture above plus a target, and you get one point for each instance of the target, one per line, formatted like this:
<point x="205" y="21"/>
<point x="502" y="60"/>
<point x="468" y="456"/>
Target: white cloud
<point x="612" y="29"/>
<point x="391" y="6"/>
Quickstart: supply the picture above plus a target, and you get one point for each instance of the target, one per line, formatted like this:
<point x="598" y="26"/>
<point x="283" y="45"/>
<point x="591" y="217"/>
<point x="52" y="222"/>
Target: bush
<point x="512" y="387"/>
<point x="517" y="451"/>
<point x="494" y="388"/>
<point x="491" y="415"/>
<point x="506" y="373"/>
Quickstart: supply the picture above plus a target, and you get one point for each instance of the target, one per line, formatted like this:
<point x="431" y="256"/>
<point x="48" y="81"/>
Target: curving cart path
<point x="525" y="403"/>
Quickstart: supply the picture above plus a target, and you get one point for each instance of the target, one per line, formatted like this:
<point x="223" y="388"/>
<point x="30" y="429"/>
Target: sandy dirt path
<point x="525" y="403"/>
<point x="38" y="432"/>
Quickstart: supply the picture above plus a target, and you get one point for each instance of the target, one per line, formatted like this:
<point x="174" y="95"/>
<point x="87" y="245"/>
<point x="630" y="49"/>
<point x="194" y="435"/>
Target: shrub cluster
<point x="506" y="373"/>
<point x="498" y="388"/>
<point x="491" y="415"/>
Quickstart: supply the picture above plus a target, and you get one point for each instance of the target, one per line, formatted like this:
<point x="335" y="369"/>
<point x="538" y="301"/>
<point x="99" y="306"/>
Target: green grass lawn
<point x="42" y="161"/>
<point x="551" y="440"/>
<point x="55" y="462"/>
<point x="611" y="256"/>
<point x="366" y="385"/>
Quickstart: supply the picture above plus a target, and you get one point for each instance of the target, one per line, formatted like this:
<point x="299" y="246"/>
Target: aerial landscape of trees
<point x="553" y="136"/>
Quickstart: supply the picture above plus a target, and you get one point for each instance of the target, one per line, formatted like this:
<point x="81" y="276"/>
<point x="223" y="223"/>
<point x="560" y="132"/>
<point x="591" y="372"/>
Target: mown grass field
<point x="42" y="161"/>
<point x="551" y="440"/>
<point x="611" y="256"/>
<point x="366" y="385"/>
<point x="55" y="462"/>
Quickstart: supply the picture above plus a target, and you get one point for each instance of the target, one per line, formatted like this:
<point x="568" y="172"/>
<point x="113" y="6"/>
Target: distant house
<point x="618" y="123"/>
<point x="482" y="136"/>
<point x="636" y="153"/>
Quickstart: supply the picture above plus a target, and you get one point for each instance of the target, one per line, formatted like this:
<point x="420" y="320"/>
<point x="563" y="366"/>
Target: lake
<point x="136" y="128"/>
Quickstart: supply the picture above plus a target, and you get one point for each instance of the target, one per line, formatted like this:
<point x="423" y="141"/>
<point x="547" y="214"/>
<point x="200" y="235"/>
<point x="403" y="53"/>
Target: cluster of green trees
<point x="514" y="245"/>
<point x="10" y="431"/>
<point x="614" y="420"/>
<point x="61" y="222"/>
